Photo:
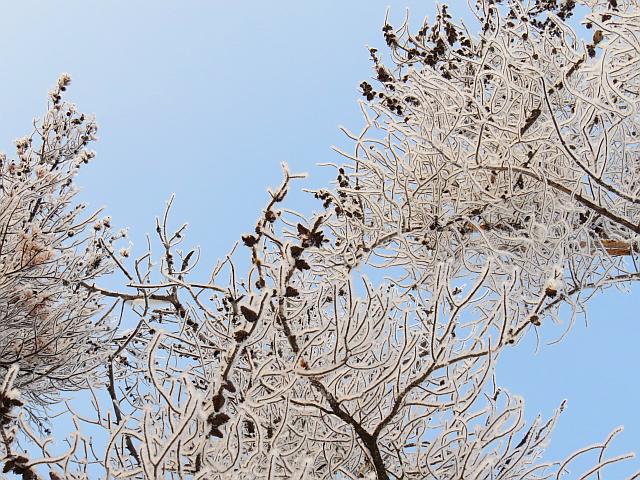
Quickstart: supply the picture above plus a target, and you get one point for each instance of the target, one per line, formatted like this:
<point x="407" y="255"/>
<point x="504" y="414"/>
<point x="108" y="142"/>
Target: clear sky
<point x="206" y="98"/>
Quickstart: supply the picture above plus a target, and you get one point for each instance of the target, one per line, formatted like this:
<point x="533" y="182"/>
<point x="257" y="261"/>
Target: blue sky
<point x="204" y="99"/>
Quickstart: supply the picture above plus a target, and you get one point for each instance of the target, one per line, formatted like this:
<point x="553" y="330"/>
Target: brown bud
<point x="249" y="314"/>
<point x="218" y="401"/>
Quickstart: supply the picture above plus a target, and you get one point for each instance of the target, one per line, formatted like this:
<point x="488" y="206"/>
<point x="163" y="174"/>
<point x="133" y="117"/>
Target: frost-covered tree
<point x="48" y="249"/>
<point x="495" y="182"/>
<point x="52" y="329"/>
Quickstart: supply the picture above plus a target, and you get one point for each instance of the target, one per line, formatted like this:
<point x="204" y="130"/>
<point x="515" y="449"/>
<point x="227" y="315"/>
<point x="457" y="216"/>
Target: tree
<point x="46" y="252"/>
<point x="494" y="184"/>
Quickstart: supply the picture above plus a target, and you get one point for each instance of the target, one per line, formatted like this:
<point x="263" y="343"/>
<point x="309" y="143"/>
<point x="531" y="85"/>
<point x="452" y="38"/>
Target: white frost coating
<point x="554" y="284"/>
<point x="539" y="232"/>
<point x="152" y="302"/>
<point x="9" y="379"/>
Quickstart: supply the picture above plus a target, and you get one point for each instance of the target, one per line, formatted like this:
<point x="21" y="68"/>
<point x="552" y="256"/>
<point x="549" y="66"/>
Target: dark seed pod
<point x="218" y="401"/>
<point x="248" y="314"/>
